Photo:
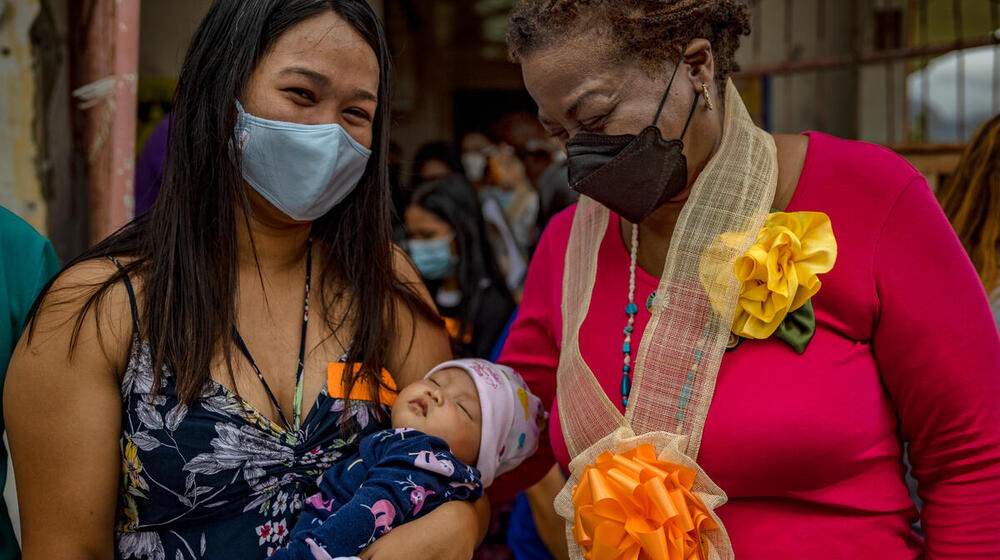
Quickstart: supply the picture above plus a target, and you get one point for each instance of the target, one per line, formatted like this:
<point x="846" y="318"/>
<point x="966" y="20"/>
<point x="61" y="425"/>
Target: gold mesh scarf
<point x="679" y="355"/>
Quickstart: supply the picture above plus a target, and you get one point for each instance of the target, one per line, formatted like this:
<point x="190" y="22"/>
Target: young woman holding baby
<point x="172" y="398"/>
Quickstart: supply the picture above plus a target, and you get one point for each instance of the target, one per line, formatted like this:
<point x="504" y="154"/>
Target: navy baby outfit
<point x="396" y="476"/>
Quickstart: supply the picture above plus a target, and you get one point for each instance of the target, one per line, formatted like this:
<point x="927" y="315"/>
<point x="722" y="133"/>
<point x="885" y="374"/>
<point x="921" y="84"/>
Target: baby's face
<point x="445" y="405"/>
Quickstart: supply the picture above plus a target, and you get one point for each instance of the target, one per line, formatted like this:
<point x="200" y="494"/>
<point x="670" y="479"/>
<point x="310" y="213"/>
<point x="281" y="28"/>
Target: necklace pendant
<point x="626" y="386"/>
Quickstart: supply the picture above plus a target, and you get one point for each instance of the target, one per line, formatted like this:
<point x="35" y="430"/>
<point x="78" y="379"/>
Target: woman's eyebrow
<point x="571" y="113"/>
<point x="361" y="93"/>
<point x="322" y="81"/>
<point x="312" y="75"/>
<point x="574" y="108"/>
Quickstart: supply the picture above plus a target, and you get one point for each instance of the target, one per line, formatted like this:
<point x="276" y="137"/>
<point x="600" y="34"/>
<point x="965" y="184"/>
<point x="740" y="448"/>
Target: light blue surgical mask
<point x="433" y="257"/>
<point x="503" y="196"/>
<point x="304" y="170"/>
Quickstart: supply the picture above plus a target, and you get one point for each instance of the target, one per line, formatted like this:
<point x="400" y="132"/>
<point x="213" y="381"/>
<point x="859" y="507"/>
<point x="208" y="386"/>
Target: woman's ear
<point x="698" y="56"/>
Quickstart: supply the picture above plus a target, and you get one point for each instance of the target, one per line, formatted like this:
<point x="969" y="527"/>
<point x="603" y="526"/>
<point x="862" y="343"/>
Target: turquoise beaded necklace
<point x="630" y="310"/>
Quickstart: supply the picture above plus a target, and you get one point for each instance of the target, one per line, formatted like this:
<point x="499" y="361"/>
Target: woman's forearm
<point x="450" y="532"/>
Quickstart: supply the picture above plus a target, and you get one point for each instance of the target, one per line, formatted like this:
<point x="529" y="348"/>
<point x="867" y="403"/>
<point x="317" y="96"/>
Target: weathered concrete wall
<point x="60" y="171"/>
<point x="40" y="177"/>
<point x="20" y="186"/>
<point x="167" y="28"/>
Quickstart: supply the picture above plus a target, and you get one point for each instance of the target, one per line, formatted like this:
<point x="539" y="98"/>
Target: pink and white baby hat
<point x="512" y="416"/>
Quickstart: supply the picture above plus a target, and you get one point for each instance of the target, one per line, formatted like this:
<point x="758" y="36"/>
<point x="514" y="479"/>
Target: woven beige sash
<point x="680" y="353"/>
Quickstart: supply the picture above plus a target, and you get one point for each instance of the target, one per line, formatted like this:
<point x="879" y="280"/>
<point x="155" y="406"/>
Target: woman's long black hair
<point x="453" y="200"/>
<point x="184" y="249"/>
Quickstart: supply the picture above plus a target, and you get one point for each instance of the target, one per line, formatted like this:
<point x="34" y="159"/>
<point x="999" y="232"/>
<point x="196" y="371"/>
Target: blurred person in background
<point x="507" y="183"/>
<point x="448" y="244"/>
<point x="172" y="396"/>
<point x="400" y="192"/>
<point x="27" y="262"/>
<point x="476" y="146"/>
<point x="477" y="152"/>
<point x="971" y="200"/>
<point x="554" y="192"/>
<point x="434" y="160"/>
<point x="527" y="136"/>
<point x="150" y="167"/>
<point x="513" y="168"/>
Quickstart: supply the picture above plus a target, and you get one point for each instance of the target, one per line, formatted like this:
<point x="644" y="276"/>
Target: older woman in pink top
<point x="806" y="430"/>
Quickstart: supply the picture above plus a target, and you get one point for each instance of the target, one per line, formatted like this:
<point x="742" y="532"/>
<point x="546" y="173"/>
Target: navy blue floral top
<point x="217" y="479"/>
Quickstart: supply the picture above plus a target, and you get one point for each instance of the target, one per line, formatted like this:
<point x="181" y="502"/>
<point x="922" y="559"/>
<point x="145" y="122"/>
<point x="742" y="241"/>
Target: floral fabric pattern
<point x="218" y="479"/>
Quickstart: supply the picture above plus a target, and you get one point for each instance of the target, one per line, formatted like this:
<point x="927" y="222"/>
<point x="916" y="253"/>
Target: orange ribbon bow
<point x="632" y="506"/>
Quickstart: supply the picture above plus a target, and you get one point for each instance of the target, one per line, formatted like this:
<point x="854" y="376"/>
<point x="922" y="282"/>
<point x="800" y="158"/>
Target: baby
<point x="464" y="412"/>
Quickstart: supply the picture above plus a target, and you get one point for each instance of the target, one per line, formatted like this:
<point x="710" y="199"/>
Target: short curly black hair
<point x="648" y="31"/>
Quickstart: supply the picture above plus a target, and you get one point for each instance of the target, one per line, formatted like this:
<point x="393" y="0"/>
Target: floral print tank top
<point x="217" y="479"/>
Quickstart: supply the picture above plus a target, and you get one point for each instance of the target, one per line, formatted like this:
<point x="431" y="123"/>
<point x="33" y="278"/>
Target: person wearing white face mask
<point x="178" y="372"/>
<point x="475" y="145"/>
<point x="449" y="246"/>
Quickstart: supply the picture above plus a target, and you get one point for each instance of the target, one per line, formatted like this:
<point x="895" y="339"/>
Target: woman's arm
<point x="63" y="414"/>
<point x="939" y="356"/>
<point x="426" y="539"/>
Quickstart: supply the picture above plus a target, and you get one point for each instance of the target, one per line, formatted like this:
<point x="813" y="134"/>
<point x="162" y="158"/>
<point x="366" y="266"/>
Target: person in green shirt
<point x="27" y="262"/>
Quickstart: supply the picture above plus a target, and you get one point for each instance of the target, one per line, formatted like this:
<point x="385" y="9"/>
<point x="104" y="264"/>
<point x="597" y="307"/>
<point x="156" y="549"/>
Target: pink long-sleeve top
<point x="809" y="447"/>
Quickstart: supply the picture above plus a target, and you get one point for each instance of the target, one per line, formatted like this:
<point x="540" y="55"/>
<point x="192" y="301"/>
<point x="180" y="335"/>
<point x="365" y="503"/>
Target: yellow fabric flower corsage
<point x="780" y="271"/>
<point x="633" y="506"/>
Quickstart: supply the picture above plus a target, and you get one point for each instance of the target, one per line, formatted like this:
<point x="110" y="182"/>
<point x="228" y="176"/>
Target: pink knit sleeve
<point x="938" y="352"/>
<point x="531" y="348"/>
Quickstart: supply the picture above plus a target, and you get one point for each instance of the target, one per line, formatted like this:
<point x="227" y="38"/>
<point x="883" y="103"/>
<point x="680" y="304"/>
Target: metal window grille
<point x="901" y="72"/>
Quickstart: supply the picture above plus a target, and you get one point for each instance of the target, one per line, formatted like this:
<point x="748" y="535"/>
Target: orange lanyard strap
<point x="360" y="391"/>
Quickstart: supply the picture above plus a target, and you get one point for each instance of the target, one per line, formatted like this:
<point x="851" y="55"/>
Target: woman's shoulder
<point x="844" y="173"/>
<point x="72" y="301"/>
<point x="549" y="257"/>
<point x="78" y="333"/>
<point x="81" y="280"/>
<point x="555" y="237"/>
<point x="875" y="157"/>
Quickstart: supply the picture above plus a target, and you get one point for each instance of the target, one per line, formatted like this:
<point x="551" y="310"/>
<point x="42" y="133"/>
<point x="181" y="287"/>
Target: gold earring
<point x="708" y="98"/>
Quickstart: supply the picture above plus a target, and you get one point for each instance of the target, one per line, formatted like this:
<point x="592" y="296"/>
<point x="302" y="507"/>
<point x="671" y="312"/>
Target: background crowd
<point x="469" y="212"/>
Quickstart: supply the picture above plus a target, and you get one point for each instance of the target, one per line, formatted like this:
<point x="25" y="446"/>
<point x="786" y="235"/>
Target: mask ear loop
<point x="663" y="100"/>
<point x="694" y="106"/>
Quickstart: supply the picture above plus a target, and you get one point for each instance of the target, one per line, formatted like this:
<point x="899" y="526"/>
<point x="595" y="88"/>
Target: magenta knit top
<point x="809" y="448"/>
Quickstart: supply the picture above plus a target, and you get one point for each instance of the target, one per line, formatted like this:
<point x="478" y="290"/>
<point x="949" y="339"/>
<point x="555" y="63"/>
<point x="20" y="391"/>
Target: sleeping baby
<point x="463" y="413"/>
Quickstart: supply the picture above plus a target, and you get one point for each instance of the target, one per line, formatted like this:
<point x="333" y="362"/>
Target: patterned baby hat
<point x="512" y="416"/>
